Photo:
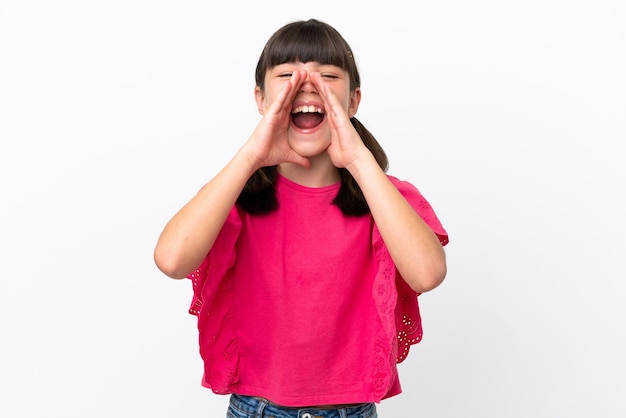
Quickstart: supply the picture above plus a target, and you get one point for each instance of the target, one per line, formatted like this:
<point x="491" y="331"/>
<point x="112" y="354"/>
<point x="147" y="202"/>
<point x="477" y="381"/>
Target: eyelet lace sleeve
<point x="407" y="313"/>
<point x="396" y="302"/>
<point x="213" y="305"/>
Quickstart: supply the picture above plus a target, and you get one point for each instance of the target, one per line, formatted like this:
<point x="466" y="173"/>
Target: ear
<point x="355" y="100"/>
<point x="261" y="103"/>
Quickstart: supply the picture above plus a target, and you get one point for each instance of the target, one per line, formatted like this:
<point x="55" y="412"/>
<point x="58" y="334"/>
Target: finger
<point x="318" y="82"/>
<point x="316" y="78"/>
<point x="284" y="99"/>
<point x="300" y="160"/>
<point x="331" y="102"/>
<point x="296" y="81"/>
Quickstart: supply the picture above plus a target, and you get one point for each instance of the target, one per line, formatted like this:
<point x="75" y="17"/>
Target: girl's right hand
<point x="268" y="144"/>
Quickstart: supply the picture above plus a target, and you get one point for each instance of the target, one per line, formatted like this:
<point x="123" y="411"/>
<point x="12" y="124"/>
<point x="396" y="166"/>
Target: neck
<point x="320" y="173"/>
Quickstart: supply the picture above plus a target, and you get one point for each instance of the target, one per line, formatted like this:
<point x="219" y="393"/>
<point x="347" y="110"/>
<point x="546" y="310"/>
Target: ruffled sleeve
<point x="408" y="323"/>
<point x="422" y="207"/>
<point x="212" y="304"/>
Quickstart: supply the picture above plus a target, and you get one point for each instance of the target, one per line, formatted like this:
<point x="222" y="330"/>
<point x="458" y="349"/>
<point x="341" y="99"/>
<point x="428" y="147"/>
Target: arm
<point x="189" y="235"/>
<point x="413" y="246"/>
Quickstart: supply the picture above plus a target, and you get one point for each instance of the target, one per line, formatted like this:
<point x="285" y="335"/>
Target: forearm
<point x="190" y="234"/>
<point x="414" y="248"/>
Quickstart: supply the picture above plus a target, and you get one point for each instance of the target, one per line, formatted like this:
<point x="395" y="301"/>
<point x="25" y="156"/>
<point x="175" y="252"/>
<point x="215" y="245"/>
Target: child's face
<point x="309" y="134"/>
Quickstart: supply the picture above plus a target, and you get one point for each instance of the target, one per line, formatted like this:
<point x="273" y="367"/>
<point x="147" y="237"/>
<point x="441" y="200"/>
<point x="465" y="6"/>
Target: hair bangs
<point x="307" y="41"/>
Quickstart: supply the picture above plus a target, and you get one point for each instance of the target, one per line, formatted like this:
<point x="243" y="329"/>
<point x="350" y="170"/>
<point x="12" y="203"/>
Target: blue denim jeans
<point x="253" y="407"/>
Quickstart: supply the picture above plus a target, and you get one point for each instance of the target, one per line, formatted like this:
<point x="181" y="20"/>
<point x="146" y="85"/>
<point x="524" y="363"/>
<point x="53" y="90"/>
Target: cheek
<point x="345" y="97"/>
<point x="346" y="103"/>
<point x="268" y="97"/>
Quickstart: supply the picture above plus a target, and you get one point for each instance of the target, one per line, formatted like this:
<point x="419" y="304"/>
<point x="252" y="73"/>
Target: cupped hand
<point x="268" y="142"/>
<point x="346" y="145"/>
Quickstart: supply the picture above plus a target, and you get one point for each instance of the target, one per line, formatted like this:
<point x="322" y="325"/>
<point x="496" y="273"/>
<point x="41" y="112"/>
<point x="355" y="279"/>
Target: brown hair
<point x="308" y="41"/>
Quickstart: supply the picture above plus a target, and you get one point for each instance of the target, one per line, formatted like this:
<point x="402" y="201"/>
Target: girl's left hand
<point x="346" y="145"/>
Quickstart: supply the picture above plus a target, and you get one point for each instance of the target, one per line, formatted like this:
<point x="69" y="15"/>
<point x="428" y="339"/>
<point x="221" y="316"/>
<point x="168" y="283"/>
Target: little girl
<point x="306" y="258"/>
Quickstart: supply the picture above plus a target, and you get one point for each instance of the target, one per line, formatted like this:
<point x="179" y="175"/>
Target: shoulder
<point x="421" y="205"/>
<point x="405" y="187"/>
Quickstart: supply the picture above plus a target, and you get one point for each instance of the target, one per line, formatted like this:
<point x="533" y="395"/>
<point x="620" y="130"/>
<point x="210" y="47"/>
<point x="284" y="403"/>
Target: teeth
<point x="307" y="109"/>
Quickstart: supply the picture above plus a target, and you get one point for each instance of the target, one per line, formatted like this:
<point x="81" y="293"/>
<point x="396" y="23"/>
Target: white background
<point x="510" y="116"/>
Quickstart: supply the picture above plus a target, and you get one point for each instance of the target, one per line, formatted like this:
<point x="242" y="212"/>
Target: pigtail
<point x="258" y="195"/>
<point x="350" y="197"/>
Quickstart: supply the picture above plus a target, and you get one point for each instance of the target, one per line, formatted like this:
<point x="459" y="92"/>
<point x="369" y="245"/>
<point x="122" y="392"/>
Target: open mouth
<point x="307" y="117"/>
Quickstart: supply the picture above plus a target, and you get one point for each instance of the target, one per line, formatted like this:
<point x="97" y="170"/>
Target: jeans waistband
<point x="257" y="407"/>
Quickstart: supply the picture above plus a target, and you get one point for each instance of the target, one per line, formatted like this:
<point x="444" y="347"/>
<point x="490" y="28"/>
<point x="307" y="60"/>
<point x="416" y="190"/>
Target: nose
<point x="308" y="86"/>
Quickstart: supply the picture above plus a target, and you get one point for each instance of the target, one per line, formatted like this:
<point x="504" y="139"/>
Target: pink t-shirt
<point x="304" y="306"/>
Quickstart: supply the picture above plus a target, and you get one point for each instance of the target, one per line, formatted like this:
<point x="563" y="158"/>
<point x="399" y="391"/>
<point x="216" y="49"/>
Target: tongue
<point x="307" y="120"/>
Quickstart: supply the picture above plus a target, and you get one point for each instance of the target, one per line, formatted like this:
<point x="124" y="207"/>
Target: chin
<point x="309" y="150"/>
<point x="309" y="144"/>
